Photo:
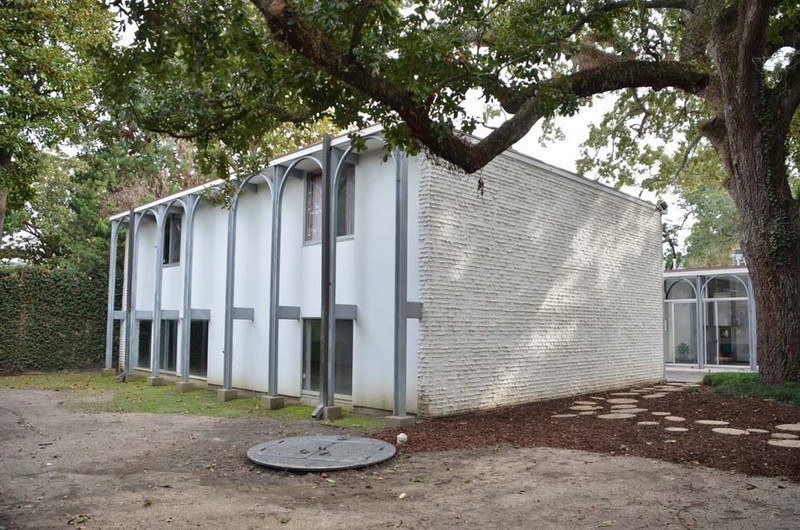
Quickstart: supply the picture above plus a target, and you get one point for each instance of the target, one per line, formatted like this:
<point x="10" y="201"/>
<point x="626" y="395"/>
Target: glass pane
<point x="143" y="354"/>
<point x="734" y="329"/>
<point x="344" y="205"/>
<point x="669" y="347"/>
<point x="175" y="240"/>
<point x="314" y="207"/>
<point x="343" y="370"/>
<point x="198" y="348"/>
<point x="685" y="333"/>
<point x="168" y="353"/>
<point x="679" y="289"/>
<point x="711" y="333"/>
<point x="725" y="287"/>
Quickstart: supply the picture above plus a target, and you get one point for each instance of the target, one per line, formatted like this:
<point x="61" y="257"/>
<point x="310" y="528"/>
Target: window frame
<point x="347" y="180"/>
<point x="171" y="241"/>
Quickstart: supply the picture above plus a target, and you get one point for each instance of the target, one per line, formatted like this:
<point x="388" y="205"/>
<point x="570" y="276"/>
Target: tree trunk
<point x="749" y="134"/>
<point x="3" y="202"/>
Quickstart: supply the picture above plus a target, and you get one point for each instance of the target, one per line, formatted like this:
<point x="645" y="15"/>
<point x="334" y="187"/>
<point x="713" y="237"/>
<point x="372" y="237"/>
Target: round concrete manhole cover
<point x="320" y="453"/>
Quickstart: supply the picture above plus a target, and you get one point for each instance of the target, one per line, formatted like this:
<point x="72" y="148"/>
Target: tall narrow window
<point x="343" y="372"/>
<point x="198" y="348"/>
<point x="145" y="335"/>
<point x="345" y="205"/>
<point x="172" y="239"/>
<point x="168" y="353"/>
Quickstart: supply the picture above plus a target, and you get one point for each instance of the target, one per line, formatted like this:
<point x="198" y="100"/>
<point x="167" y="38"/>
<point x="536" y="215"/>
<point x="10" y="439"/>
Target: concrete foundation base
<point x="155" y="381"/>
<point x="331" y="413"/>
<point x="184" y="386"/>
<point x="272" y="402"/>
<point x="224" y="394"/>
<point x="398" y="421"/>
<point x="108" y="371"/>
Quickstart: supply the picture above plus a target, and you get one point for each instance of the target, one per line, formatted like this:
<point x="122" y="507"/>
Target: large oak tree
<point x="726" y="72"/>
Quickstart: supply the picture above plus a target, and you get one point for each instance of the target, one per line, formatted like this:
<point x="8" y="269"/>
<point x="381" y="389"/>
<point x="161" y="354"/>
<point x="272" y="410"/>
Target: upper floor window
<point x="345" y="206"/>
<point x="172" y="239"/>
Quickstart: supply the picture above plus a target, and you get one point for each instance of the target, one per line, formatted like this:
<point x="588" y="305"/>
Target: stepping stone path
<point x="757" y="431"/>
<point x="785" y="436"/>
<point x="631" y="411"/>
<point x="624" y="393"/>
<point x="729" y="431"/>
<point x="795" y="444"/>
<point x="674" y="418"/>
<point x="792" y="427"/>
<point x="584" y="403"/>
<point x="648" y="423"/>
<point x="563" y="416"/>
<point x="653" y="396"/>
<point x="587" y="413"/>
<point x="661" y="413"/>
<point x="676" y="429"/>
<point x="618" y="416"/>
<point x="599" y="398"/>
<point x="712" y="422"/>
<point x="585" y="407"/>
<point x="617" y="407"/>
<point x="622" y="401"/>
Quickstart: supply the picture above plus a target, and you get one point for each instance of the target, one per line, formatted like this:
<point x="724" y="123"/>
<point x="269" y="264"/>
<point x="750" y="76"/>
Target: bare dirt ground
<point x="65" y="469"/>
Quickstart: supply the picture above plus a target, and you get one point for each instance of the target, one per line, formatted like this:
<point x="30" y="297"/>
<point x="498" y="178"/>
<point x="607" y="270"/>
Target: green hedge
<point x="51" y="320"/>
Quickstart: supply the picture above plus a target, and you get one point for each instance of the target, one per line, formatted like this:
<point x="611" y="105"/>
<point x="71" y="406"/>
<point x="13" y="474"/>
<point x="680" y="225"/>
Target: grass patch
<point x="98" y="393"/>
<point x="746" y="384"/>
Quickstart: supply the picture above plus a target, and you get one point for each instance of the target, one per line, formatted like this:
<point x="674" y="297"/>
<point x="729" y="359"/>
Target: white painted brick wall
<point x="548" y="285"/>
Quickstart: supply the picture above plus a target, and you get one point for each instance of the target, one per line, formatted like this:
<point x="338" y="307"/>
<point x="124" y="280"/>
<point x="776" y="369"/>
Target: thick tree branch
<point x="788" y="91"/>
<point x="362" y="12"/>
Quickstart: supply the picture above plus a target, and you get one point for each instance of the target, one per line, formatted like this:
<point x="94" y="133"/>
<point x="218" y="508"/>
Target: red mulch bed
<point x="531" y="425"/>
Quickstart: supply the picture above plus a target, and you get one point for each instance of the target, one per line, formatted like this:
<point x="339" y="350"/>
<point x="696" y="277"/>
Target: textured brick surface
<point x="546" y="286"/>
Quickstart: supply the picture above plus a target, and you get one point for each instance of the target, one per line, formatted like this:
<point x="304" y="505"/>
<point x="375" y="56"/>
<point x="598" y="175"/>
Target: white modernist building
<point x="439" y="299"/>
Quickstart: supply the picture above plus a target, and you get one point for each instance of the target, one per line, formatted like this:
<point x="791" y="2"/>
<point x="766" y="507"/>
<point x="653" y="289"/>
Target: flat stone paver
<point x="653" y="396"/>
<point x="564" y="416"/>
<point x="676" y="429"/>
<point x="632" y="411"/>
<point x="712" y="422"/>
<point x="583" y="403"/>
<point x="785" y="436"/>
<point x="622" y="401"/>
<point x="584" y="407"/>
<point x="625" y="393"/>
<point x="729" y="431"/>
<point x="757" y="431"/>
<point x="674" y="418"/>
<point x="661" y="413"/>
<point x="619" y="416"/>
<point x="622" y="407"/>
<point x="587" y="413"/>
<point x="792" y="427"/>
<point x="648" y="423"/>
<point x="794" y="444"/>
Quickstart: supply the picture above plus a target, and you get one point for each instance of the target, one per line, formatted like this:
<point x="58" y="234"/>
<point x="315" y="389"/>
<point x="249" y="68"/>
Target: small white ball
<point x="402" y="438"/>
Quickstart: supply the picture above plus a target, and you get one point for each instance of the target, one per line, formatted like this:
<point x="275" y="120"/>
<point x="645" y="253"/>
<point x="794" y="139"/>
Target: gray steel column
<point x="278" y="179"/>
<point x="400" y="282"/>
<point x="327" y="316"/>
<point x="334" y="175"/>
<point x="133" y="263"/>
<point x="188" y="249"/>
<point x="701" y="323"/>
<point x="230" y="272"/>
<point x="751" y="317"/>
<point x="155" y="344"/>
<point x="112" y="284"/>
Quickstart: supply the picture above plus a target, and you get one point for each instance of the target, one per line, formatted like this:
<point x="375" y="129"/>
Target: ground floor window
<point x="168" y="352"/>
<point x="343" y="373"/>
<point x="198" y="348"/>
<point x="143" y="344"/>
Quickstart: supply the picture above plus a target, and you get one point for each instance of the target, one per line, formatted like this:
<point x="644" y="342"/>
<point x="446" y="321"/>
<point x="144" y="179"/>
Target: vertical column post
<point x="226" y="392"/>
<point x="112" y="284"/>
<point x="334" y="174"/>
<point x="327" y="317"/>
<point x="155" y="344"/>
<point x="399" y="416"/>
<point x="701" y="323"/>
<point x="271" y="400"/>
<point x="130" y="317"/>
<point x="751" y="322"/>
<point x="186" y="310"/>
